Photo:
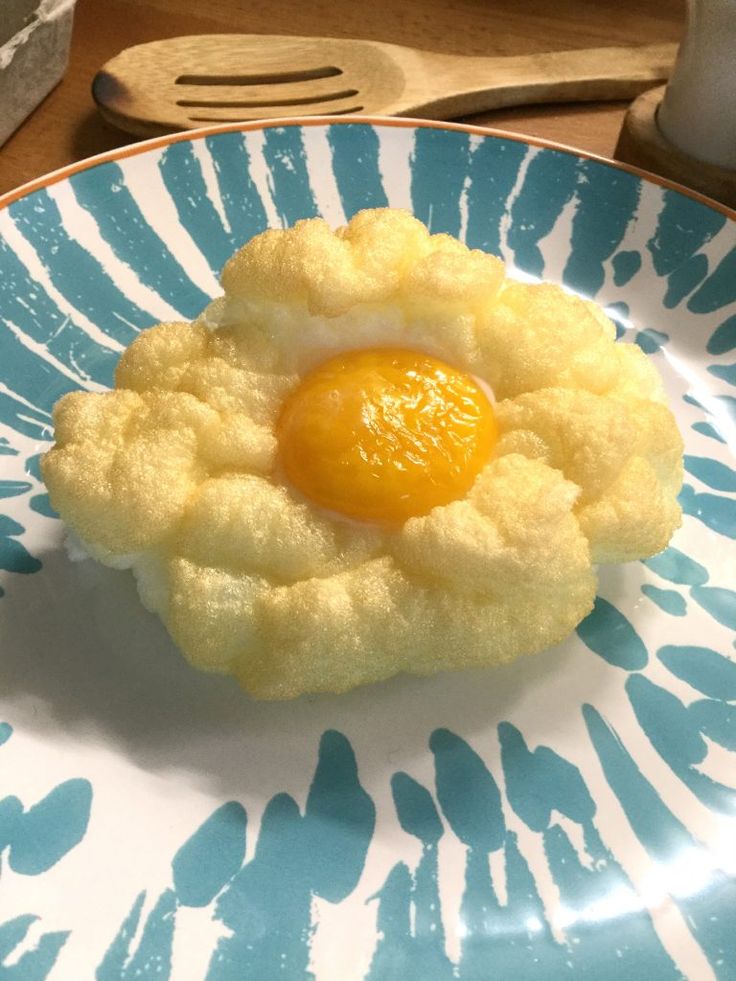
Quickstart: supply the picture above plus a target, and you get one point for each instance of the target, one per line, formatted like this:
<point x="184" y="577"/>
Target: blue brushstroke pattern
<point x="182" y="174"/>
<point x="676" y="566"/>
<point x="626" y="264"/>
<point x="718" y="601"/>
<point x="48" y="830"/>
<point x="38" y="382"/>
<point x="34" y="964"/>
<point x="608" y="633"/>
<point x="413" y="945"/>
<point x="292" y="191"/>
<point x="684" y="226"/>
<point x="35" y="840"/>
<point x="607" y="200"/>
<point x="25" y="303"/>
<point x="243" y="206"/>
<point x="540" y="784"/>
<point x="6" y="731"/>
<point x="74" y="271"/>
<point x="14" y="557"/>
<point x="14" y="488"/>
<point x="651" y="341"/>
<point x="550" y="182"/>
<point x="711" y="911"/>
<point x="723" y="338"/>
<point x="338" y="821"/>
<point x="719" y="289"/>
<point x="40" y="503"/>
<point x="704" y="669"/>
<point x="666" y="599"/>
<point x="11" y="814"/>
<point x="355" y="166"/>
<point x="684" y="280"/>
<point x="32" y="422"/>
<point x="726" y="372"/>
<point x="12" y="933"/>
<point x="207" y="861"/>
<point x="706" y="429"/>
<point x="438" y="169"/>
<point x="103" y="193"/>
<point x="618" y="312"/>
<point x="716" y="512"/>
<point x="471" y="802"/>
<point x="112" y="967"/>
<point x="655" y="827"/>
<point x="673" y="733"/>
<point x="267" y="905"/>
<point x="492" y="171"/>
<point x="716" y="720"/>
<point x="152" y="959"/>
<point x="719" y="405"/>
<point x="395" y="952"/>
<point x="513" y="936"/>
<point x="467" y="792"/>
<point x="711" y="472"/>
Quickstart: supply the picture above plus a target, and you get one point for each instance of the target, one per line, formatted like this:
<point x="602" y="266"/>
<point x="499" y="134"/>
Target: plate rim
<point x="398" y="122"/>
<point x="142" y="148"/>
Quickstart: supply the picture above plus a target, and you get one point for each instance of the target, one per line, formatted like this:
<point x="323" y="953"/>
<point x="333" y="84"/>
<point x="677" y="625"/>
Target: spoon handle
<point x="452" y="85"/>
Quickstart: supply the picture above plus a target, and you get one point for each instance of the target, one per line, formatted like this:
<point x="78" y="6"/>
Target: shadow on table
<point x="94" y="135"/>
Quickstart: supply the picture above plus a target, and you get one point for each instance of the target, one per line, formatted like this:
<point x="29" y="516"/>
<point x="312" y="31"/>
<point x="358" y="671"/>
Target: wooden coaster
<point x="641" y="143"/>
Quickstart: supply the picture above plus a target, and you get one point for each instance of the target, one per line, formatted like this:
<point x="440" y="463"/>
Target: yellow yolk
<point x="384" y="435"/>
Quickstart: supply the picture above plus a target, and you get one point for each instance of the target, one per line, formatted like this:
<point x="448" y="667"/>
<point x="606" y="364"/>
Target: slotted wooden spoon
<point x="182" y="83"/>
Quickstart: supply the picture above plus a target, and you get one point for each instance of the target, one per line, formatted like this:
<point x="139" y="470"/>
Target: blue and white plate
<point x="571" y="815"/>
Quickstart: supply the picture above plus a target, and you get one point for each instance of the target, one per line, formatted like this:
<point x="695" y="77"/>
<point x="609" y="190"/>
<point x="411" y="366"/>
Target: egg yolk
<point x="384" y="435"/>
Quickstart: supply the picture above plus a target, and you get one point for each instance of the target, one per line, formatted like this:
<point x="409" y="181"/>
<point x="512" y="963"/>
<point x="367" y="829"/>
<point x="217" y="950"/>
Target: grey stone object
<point x="34" y="51"/>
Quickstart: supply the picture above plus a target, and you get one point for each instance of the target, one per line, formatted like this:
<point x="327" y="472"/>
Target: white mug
<point x="698" y="112"/>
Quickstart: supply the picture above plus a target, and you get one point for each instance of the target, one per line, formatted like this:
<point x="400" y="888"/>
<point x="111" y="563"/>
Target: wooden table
<point x="66" y="127"/>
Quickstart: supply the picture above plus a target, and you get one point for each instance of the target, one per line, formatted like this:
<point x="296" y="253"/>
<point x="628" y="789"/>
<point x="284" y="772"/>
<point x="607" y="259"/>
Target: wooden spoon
<point x="181" y="83"/>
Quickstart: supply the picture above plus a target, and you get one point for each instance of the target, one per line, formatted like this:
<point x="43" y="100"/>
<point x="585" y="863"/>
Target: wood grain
<point x="180" y="83"/>
<point x="67" y="127"/>
<point x="643" y="144"/>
